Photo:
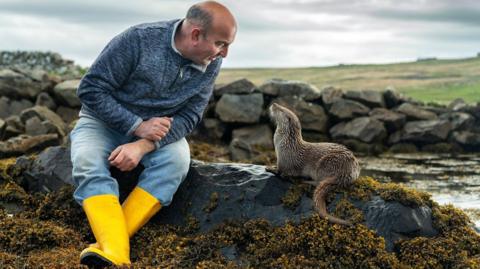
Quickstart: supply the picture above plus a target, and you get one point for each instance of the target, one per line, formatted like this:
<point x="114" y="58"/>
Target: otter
<point x="329" y="165"/>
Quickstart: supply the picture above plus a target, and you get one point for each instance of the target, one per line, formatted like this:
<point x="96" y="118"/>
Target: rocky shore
<point x="236" y="215"/>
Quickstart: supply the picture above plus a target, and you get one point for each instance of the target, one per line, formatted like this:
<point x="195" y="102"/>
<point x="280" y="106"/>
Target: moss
<point x="208" y="152"/>
<point x="363" y="188"/>
<point x="403" y="195"/>
<point x="11" y="192"/>
<point x="293" y="196"/>
<point x="447" y="217"/>
<point x="213" y="203"/>
<point x="21" y="235"/>
<point x="5" y="167"/>
<point x="346" y="210"/>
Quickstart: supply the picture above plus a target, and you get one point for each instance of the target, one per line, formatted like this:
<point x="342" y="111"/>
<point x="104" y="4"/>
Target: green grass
<point x="445" y="93"/>
<point x="430" y="81"/>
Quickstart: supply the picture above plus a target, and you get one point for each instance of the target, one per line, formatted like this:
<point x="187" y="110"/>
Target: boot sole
<point x="94" y="260"/>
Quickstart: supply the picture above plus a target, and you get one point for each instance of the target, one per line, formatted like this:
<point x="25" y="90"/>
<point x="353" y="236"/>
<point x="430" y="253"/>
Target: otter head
<point x="284" y="118"/>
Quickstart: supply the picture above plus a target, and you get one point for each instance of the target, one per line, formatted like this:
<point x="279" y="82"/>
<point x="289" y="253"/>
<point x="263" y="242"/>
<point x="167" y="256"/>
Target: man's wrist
<point x="146" y="145"/>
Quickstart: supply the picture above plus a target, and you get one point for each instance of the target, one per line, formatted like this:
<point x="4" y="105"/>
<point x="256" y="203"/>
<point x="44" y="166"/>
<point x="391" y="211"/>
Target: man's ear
<point x="195" y="35"/>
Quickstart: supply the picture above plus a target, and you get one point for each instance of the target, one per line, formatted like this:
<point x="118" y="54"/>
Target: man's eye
<point x="220" y="44"/>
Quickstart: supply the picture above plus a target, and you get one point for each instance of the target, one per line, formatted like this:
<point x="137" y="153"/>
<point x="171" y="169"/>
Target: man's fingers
<point x="114" y="153"/>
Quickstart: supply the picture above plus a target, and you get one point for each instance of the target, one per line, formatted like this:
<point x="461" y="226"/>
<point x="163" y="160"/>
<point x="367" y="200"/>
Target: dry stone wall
<point x="38" y="107"/>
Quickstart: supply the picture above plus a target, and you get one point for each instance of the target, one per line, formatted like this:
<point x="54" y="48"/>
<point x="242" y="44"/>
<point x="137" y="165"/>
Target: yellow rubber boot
<point x="138" y="208"/>
<point x="108" y="224"/>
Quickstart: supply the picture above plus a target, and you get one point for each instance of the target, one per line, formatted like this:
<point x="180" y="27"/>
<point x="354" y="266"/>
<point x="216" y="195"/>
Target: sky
<point x="271" y="33"/>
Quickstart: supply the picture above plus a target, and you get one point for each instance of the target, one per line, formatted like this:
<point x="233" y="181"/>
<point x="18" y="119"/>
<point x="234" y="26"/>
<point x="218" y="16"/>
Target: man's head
<point x="207" y="32"/>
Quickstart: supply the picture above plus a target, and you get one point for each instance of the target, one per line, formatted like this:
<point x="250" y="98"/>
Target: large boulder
<point x="459" y="120"/>
<point x="365" y="129"/>
<point x="347" y="109"/>
<point x="414" y="112"/>
<point x="393" y="121"/>
<point x="15" y="84"/>
<point x="428" y="132"/>
<point x="369" y="98"/>
<point x="24" y="144"/>
<point x="66" y="93"/>
<point x="280" y="87"/>
<point x="45" y="114"/>
<point x="312" y="116"/>
<point x="214" y="193"/>
<point x="392" y="97"/>
<point x="330" y="95"/>
<point x="241" y="86"/>
<point x="467" y="139"/>
<point x="240" y="108"/>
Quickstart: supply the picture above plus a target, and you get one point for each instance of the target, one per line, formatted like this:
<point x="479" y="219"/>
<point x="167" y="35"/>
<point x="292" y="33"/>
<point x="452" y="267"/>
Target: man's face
<point x="213" y="44"/>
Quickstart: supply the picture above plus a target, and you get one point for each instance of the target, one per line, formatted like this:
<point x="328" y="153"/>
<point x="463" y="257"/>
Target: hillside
<point x="430" y="80"/>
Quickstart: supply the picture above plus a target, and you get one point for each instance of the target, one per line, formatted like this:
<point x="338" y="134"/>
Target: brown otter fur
<point x="327" y="164"/>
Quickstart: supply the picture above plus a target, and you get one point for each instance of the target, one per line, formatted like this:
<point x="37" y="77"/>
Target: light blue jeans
<point x="92" y="143"/>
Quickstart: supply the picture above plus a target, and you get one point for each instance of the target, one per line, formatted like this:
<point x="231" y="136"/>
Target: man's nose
<point x="224" y="52"/>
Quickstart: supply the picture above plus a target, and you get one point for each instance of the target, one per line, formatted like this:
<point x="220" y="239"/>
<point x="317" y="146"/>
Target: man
<point x="146" y="90"/>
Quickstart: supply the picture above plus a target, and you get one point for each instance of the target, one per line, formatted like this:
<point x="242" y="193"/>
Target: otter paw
<point x="272" y="169"/>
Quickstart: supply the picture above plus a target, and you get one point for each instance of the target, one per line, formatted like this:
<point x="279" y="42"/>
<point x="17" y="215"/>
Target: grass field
<point x="438" y="81"/>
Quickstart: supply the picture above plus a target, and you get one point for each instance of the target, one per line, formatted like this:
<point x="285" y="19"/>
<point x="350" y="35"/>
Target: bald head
<point x="211" y="15"/>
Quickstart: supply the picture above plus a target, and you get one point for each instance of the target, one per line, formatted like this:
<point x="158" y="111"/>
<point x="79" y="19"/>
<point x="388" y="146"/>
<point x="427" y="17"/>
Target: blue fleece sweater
<point x="140" y="75"/>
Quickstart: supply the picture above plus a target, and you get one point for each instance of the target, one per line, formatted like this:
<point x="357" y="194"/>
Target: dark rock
<point x="66" y="93"/>
<point x="466" y="138"/>
<point x="330" y="95"/>
<point x="34" y="126"/>
<point x="23" y="144"/>
<point x="241" y="86"/>
<point x="442" y="148"/>
<point x="459" y="120"/>
<point x="457" y="105"/>
<point x="415" y="113"/>
<point x="67" y="114"/>
<point x="369" y="98"/>
<point x="358" y="146"/>
<point x="43" y="99"/>
<point x="240" y="108"/>
<point x="17" y="106"/>
<point x="246" y="141"/>
<point x="44" y="113"/>
<point x="242" y="192"/>
<point x="394" y="221"/>
<point x="393" y="121"/>
<point x="15" y="84"/>
<point x="392" y="98"/>
<point x="403" y="148"/>
<point x="430" y="131"/>
<point x="3" y="126"/>
<point x="365" y="129"/>
<point x="312" y="116"/>
<point x="280" y="87"/>
<point x="214" y="127"/>
<point x="4" y="107"/>
<point x="346" y="109"/>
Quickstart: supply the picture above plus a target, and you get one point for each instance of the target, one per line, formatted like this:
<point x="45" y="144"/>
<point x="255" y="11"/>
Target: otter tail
<point x="319" y="197"/>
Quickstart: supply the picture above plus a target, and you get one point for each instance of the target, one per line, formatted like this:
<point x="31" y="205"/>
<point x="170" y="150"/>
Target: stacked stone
<point x="365" y="120"/>
<point x="48" y="61"/>
<point x="36" y="106"/>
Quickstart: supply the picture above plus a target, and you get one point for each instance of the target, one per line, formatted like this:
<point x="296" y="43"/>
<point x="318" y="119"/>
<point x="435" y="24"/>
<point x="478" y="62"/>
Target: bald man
<point x="144" y="93"/>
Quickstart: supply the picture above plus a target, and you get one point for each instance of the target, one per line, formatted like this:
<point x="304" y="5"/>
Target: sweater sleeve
<point x="187" y="118"/>
<point x="107" y="74"/>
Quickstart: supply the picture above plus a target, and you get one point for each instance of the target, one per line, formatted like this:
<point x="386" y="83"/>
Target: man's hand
<point x="127" y="156"/>
<point x="154" y="129"/>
